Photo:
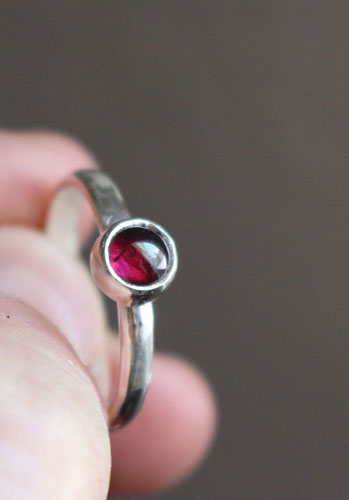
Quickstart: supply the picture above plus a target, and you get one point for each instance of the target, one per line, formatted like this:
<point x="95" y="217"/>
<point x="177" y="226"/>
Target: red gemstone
<point x="138" y="256"/>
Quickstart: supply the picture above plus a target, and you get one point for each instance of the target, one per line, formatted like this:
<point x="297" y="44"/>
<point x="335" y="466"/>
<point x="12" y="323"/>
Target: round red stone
<point x="138" y="256"/>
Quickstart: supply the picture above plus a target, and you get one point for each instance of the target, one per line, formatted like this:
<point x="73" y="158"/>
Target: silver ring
<point x="132" y="262"/>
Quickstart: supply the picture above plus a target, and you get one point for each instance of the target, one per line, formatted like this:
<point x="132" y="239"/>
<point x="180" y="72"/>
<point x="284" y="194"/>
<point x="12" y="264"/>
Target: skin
<point x="55" y="358"/>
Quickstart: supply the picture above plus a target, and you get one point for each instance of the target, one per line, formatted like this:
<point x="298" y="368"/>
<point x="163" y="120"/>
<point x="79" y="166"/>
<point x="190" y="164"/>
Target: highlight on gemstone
<point x="138" y="256"/>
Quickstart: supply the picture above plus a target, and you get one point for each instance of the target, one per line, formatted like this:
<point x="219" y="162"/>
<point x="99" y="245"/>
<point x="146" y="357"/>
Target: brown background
<point x="228" y="123"/>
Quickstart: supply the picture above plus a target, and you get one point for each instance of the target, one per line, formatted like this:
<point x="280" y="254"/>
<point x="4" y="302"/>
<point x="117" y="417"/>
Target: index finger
<point x="31" y="165"/>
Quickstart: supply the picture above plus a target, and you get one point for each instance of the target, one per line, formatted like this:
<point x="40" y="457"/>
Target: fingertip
<point x="35" y="271"/>
<point x="171" y="435"/>
<point x="32" y="162"/>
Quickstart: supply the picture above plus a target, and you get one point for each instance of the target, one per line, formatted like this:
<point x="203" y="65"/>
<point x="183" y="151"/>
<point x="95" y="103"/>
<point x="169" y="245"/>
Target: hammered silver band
<point x="134" y="302"/>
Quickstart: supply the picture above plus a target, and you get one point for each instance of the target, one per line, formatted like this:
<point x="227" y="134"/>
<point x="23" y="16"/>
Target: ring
<point x="132" y="262"/>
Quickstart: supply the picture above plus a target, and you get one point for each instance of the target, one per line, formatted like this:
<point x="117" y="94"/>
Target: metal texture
<point x="134" y="306"/>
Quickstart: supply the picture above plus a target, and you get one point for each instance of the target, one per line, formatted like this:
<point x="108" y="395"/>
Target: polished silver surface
<point x="134" y="302"/>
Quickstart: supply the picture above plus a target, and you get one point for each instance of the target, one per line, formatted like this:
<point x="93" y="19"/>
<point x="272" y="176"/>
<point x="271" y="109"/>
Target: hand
<point x="54" y="441"/>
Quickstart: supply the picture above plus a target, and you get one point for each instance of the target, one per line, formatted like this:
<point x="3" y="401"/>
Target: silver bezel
<point x="114" y="286"/>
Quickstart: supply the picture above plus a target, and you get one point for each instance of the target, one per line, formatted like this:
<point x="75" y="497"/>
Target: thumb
<point x="53" y="434"/>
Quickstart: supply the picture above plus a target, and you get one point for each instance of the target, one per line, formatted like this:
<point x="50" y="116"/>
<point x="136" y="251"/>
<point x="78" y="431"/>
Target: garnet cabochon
<point x="138" y="256"/>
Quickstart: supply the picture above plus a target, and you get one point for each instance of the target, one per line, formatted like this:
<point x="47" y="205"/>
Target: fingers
<point x="35" y="271"/>
<point x="31" y="165"/>
<point x="170" y="436"/>
<point x="54" y="439"/>
<point x="53" y="434"/>
<point x="51" y="403"/>
<point x="175" y="427"/>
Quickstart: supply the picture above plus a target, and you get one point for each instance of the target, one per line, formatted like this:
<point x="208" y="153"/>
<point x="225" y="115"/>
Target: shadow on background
<point x="228" y="123"/>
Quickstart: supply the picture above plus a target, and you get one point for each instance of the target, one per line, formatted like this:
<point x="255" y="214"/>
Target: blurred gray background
<point x="228" y="123"/>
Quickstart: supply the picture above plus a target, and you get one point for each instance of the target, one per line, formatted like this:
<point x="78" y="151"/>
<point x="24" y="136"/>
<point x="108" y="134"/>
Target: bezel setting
<point x="116" y="287"/>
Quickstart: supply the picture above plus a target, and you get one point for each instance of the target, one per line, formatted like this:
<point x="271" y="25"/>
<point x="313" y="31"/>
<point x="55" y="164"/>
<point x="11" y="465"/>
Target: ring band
<point x="132" y="261"/>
